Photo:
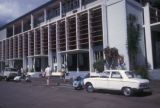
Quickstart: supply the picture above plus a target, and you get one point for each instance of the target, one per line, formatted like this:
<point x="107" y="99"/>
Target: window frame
<point x="116" y="77"/>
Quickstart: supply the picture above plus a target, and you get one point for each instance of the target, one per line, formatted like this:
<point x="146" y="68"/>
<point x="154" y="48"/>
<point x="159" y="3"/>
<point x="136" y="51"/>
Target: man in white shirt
<point x="48" y="74"/>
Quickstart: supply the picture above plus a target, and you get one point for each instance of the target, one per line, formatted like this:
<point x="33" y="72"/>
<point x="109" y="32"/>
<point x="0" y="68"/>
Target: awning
<point x="74" y="51"/>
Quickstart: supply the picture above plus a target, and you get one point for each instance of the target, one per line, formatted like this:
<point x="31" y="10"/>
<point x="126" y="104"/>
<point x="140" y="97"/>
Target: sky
<point x="12" y="9"/>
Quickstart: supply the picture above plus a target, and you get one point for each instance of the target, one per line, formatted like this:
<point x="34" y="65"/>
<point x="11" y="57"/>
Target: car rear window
<point x="116" y="75"/>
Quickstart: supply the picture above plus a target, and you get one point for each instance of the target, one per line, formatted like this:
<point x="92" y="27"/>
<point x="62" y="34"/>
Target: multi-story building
<point x="73" y="34"/>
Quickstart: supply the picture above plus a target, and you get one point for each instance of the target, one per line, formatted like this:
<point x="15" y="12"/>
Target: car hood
<point x="138" y="80"/>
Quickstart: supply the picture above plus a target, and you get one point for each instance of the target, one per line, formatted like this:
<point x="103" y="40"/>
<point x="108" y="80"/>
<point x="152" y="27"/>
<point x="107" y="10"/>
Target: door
<point x="102" y="82"/>
<point x="115" y="81"/>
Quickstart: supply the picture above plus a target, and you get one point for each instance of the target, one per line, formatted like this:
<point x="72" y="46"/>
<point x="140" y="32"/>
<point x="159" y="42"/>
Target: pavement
<point x="37" y="95"/>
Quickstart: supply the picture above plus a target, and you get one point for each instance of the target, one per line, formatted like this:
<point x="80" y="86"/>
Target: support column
<point x="45" y="15"/>
<point x="32" y="21"/>
<point x="148" y="36"/>
<point x="30" y="64"/>
<point x="34" y="40"/>
<point x="77" y="32"/>
<point x="60" y="3"/>
<point x="90" y="45"/>
<point x="13" y="30"/>
<point x="66" y="33"/>
<point x="25" y="63"/>
<point x="104" y="24"/>
<point x="57" y="48"/>
<point x="41" y="35"/>
<point x="105" y="28"/>
<point x="22" y="26"/>
<point x="80" y="4"/>
<point x="50" y="59"/>
<point x="18" y="46"/>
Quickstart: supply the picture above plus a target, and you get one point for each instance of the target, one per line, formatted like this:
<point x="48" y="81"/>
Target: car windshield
<point x="132" y="75"/>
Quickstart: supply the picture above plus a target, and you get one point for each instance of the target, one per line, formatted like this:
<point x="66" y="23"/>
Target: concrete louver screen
<point x="83" y="30"/>
<point x="44" y="40"/>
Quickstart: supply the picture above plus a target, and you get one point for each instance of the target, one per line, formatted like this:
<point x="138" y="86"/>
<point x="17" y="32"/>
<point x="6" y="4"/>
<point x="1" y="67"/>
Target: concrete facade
<point x="58" y="34"/>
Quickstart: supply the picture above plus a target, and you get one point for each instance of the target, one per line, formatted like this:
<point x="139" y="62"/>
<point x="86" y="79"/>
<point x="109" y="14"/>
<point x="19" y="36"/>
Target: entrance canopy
<point x="74" y="51"/>
<point x="37" y="56"/>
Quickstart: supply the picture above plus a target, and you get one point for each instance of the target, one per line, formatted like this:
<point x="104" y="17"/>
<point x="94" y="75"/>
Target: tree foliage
<point x="133" y="39"/>
<point x="99" y="65"/>
<point x="113" y="59"/>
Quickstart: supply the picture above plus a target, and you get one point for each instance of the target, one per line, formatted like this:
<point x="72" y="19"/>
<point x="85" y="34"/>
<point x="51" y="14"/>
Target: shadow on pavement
<point x="140" y="94"/>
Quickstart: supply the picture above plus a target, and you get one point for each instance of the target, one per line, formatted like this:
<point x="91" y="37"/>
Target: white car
<point x="10" y="73"/>
<point x="121" y="80"/>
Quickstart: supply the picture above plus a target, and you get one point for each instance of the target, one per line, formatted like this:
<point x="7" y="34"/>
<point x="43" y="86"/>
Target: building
<point x="73" y="34"/>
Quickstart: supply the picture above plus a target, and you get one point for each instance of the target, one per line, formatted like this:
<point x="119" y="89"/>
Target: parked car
<point x="10" y="73"/>
<point x="125" y="81"/>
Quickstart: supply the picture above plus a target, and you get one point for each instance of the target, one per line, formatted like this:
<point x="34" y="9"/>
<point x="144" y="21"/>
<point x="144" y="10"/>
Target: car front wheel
<point x="89" y="88"/>
<point x="127" y="91"/>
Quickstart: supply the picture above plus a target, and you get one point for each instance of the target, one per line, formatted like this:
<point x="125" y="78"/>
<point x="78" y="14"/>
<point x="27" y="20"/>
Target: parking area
<point x="37" y="95"/>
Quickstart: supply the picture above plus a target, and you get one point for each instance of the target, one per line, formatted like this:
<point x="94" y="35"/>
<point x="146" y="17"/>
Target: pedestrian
<point x="19" y="72"/>
<point x="42" y="74"/>
<point x="63" y="73"/>
<point x="48" y="74"/>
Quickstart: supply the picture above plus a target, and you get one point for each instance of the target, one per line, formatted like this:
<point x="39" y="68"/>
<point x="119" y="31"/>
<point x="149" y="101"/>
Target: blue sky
<point x="11" y="9"/>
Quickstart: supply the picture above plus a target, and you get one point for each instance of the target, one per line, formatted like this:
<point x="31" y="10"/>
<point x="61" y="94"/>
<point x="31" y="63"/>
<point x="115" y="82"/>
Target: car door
<point x="115" y="81"/>
<point x="102" y="81"/>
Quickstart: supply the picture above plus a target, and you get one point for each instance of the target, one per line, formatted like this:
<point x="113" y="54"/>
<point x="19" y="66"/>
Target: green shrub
<point x="142" y="71"/>
<point x="99" y="65"/>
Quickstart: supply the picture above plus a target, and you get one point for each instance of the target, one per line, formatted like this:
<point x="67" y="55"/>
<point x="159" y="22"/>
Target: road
<point x="29" y="95"/>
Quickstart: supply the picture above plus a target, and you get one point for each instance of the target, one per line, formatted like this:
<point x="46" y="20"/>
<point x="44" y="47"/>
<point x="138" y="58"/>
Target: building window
<point x="27" y="25"/>
<point x="53" y="12"/>
<point x="84" y="2"/>
<point x="38" y="20"/>
<point x="116" y="75"/>
<point x="69" y="5"/>
<point x="98" y="55"/>
<point x="10" y="31"/>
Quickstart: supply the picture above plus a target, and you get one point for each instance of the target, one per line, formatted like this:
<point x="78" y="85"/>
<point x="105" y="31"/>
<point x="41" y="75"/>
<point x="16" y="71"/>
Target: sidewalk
<point x="54" y="81"/>
<point x="155" y="85"/>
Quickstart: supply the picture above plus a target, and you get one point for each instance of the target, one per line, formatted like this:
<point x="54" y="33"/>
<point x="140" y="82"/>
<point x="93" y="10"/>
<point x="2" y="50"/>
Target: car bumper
<point x="142" y="90"/>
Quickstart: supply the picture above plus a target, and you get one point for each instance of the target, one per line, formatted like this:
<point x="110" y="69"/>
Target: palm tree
<point x="112" y="57"/>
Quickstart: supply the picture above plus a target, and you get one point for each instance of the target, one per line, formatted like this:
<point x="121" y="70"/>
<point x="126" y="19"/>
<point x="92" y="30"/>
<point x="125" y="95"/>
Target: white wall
<point x="148" y="36"/>
<point x="137" y="10"/>
<point x="154" y="74"/>
<point x="117" y="27"/>
<point x="3" y="34"/>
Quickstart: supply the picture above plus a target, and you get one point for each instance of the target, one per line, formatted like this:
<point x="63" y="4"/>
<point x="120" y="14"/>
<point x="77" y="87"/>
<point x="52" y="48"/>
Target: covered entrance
<point x="76" y="60"/>
<point x="36" y="63"/>
<point x="18" y="64"/>
<point x="40" y="63"/>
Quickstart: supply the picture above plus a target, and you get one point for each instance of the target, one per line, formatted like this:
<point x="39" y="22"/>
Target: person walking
<point x="48" y="74"/>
